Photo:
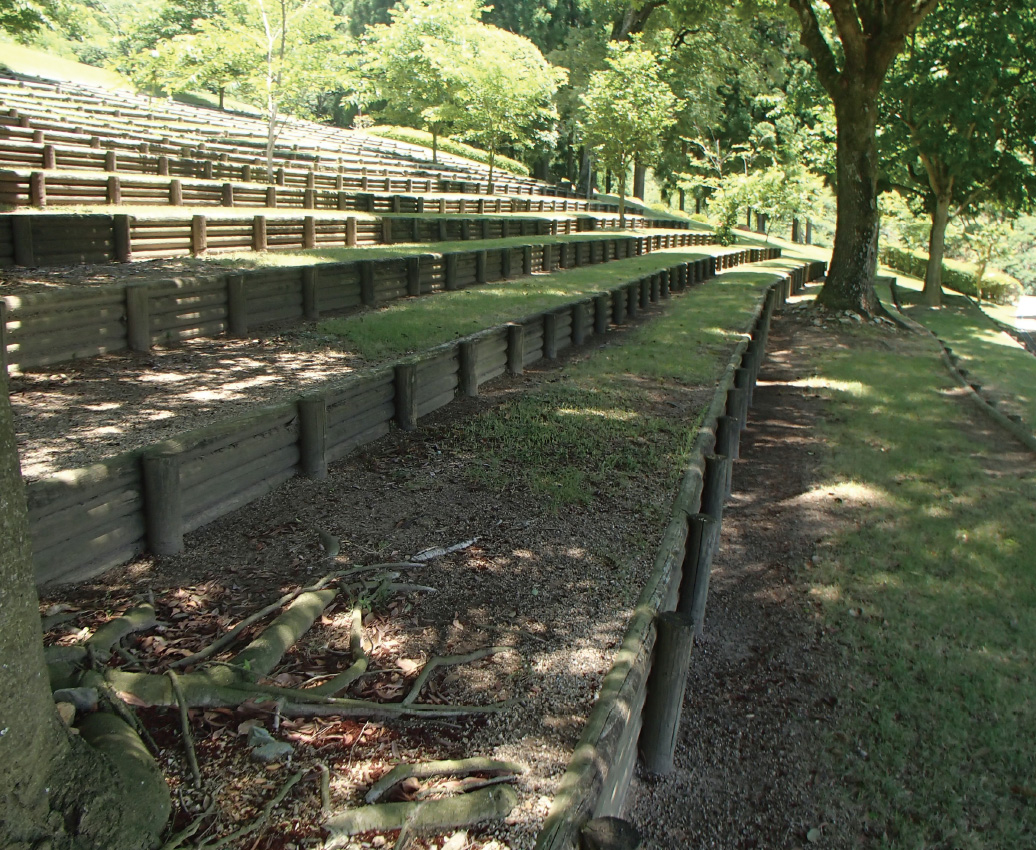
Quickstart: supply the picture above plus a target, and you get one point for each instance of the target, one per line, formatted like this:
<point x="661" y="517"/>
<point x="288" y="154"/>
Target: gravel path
<point x="762" y="686"/>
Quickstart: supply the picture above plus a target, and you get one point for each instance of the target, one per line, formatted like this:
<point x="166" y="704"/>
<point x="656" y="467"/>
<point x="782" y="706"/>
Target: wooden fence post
<point x="259" y="242"/>
<point x="663" y="704"/>
<point x="49" y="156"/>
<point x="469" y="368"/>
<point x="527" y="259"/>
<point x="163" y="502"/>
<point x="703" y="533"/>
<point x="227" y="195"/>
<point x="602" y="313"/>
<point x="413" y="276"/>
<point x="406" y="396"/>
<point x="715" y="485"/>
<point x="480" y="267"/>
<point x="237" y="305"/>
<point x="21" y="236"/>
<point x="579" y="323"/>
<point x="122" y="248"/>
<point x="515" y="349"/>
<point x="309" y="232"/>
<point x="313" y="436"/>
<point x="310" y="293"/>
<point x="199" y="235"/>
<point x="350" y="232"/>
<point x="138" y="317"/>
<point x="366" y="282"/>
<point x="3" y="340"/>
<point x="450" y="272"/>
<point x="550" y="336"/>
<point x="728" y="436"/>
<point x="38" y="189"/>
<point x="620" y="299"/>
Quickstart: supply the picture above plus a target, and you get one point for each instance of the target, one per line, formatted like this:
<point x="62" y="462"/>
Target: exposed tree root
<point x="444" y="661"/>
<point x="188" y="831"/>
<point x="428" y="769"/>
<point x="111" y="633"/>
<point x="425" y="816"/>
<point x="260" y="821"/>
<point x="343" y="680"/>
<point x="185" y="728"/>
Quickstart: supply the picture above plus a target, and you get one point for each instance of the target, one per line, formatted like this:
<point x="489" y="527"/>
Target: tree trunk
<point x="622" y="198"/>
<point x="854" y="260"/>
<point x="222" y="91"/>
<point x="639" y="180"/>
<point x="435" y="145"/>
<point x="936" y="250"/>
<point x="56" y="790"/>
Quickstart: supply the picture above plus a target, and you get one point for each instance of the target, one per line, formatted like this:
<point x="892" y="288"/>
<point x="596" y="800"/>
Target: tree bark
<point x="854" y="260"/>
<point x="936" y="250"/>
<point x="56" y="791"/>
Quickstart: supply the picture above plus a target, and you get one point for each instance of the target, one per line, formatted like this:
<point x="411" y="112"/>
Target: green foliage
<point x="961" y="277"/>
<point x="438" y="67"/>
<point x="625" y="109"/>
<point x="781" y="194"/>
<point x="449" y="145"/>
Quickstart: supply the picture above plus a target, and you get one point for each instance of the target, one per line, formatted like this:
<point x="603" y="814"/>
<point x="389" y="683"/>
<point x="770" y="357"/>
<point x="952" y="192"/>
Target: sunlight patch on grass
<point x="854" y="388"/>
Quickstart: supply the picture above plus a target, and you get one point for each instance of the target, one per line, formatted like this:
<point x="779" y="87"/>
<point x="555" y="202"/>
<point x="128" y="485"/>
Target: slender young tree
<point x="627" y="106"/>
<point x="853" y="45"/>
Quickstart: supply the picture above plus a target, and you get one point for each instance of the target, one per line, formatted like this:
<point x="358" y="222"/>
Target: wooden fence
<point x="87" y="520"/>
<point x="41" y="329"/>
<point x="41" y="189"/>
<point x="632" y="701"/>
<point x="36" y="240"/>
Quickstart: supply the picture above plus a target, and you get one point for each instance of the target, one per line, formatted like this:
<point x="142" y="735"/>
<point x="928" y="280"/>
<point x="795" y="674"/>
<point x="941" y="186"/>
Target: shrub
<point x="996" y="286"/>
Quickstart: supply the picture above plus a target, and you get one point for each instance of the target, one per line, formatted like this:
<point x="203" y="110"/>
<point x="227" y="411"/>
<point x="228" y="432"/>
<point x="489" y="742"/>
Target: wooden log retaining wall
<point x="42" y="189"/>
<point x="87" y="520"/>
<point x="45" y="240"/>
<point x="599" y="774"/>
<point x="43" y="329"/>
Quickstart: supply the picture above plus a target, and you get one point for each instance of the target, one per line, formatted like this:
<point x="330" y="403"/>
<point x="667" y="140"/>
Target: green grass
<point x="930" y="589"/>
<point x="36" y="63"/>
<point x="1006" y="371"/>
<point x="621" y="418"/>
<point x="417" y="324"/>
<point x="452" y="146"/>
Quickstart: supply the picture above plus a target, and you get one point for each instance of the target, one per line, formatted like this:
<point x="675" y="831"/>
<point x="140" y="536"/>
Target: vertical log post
<point x="350" y="232"/>
<point x="366" y="283"/>
<point x="469" y="368"/>
<point x="527" y="259"/>
<point x="602" y="313"/>
<point x="38" y="189"/>
<point x="163" y="502"/>
<point x="175" y="193"/>
<point x="123" y="249"/>
<point x="138" y="317"/>
<point x="237" y="306"/>
<point x="450" y="272"/>
<point x="703" y="534"/>
<point x="620" y="299"/>
<point x="550" y="336"/>
<point x="311" y="293"/>
<point x="309" y="232"/>
<point x="515" y="349"/>
<point x="480" y="267"/>
<point x="579" y="323"/>
<point x="406" y="396"/>
<point x="665" y="690"/>
<point x="728" y="437"/>
<point x="715" y="485"/>
<point x="199" y="235"/>
<point x="259" y="242"/>
<point x="313" y="436"/>
<point x="413" y="276"/>
<point x="21" y="234"/>
<point x="3" y="340"/>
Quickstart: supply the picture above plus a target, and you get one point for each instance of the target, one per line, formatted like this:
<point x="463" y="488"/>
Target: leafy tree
<point x="22" y="18"/>
<point x="960" y="115"/>
<point x="411" y="62"/>
<point x="626" y="108"/>
<point x="505" y="93"/>
<point x="853" y="45"/>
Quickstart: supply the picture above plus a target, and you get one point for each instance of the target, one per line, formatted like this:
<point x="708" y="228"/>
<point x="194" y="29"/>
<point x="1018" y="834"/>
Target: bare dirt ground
<point x="764" y="683"/>
<point x="554" y="588"/>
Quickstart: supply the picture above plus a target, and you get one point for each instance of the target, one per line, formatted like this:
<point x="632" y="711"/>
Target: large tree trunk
<point x="55" y="791"/>
<point x="639" y="180"/>
<point x="936" y="250"/>
<point x="622" y="198"/>
<point x="854" y="260"/>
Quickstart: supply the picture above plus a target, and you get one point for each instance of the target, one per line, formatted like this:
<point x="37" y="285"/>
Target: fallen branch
<point x="188" y="831"/>
<point x="185" y="728"/>
<point x="428" y="769"/>
<point x="426" y="816"/>
<point x="444" y="661"/>
<point x="438" y="552"/>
